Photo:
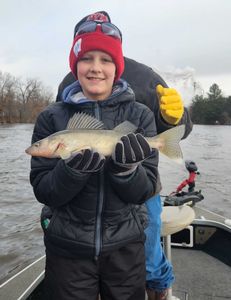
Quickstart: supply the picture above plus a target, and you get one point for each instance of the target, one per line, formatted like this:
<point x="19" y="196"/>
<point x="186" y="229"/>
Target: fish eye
<point x="36" y="144"/>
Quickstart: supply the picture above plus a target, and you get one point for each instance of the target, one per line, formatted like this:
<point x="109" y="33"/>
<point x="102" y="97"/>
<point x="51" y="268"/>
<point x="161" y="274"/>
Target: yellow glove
<point x="171" y="104"/>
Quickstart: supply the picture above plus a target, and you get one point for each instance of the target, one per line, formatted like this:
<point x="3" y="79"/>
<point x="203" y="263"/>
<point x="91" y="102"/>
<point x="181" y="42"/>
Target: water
<point x="21" y="236"/>
<point x="210" y="148"/>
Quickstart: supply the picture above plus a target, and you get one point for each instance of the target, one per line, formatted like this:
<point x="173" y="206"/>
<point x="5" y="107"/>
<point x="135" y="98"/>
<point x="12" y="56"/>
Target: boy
<point x="95" y="234"/>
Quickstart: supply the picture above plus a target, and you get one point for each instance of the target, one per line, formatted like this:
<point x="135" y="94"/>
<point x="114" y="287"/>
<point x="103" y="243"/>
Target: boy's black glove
<point x="129" y="152"/>
<point x="86" y="161"/>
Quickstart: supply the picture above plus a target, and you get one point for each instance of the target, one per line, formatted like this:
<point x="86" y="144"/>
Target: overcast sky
<point x="185" y="41"/>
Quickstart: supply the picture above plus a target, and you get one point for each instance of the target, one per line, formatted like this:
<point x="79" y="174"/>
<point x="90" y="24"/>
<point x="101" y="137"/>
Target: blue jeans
<point x="159" y="273"/>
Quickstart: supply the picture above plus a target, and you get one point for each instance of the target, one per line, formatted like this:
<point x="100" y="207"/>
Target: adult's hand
<point x="171" y="104"/>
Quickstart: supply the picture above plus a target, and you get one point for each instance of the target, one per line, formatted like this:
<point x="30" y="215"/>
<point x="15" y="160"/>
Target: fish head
<point x="45" y="148"/>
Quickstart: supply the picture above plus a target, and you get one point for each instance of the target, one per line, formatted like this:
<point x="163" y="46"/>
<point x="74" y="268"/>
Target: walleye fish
<point x="84" y="131"/>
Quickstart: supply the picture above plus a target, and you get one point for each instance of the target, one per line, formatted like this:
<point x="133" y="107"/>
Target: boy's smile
<point x="96" y="74"/>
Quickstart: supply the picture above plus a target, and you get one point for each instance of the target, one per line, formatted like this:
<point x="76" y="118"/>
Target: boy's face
<point x="96" y="74"/>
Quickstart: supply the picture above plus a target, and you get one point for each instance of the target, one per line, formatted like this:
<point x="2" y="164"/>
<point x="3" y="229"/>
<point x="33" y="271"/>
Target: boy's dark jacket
<point x="100" y="212"/>
<point x="67" y="217"/>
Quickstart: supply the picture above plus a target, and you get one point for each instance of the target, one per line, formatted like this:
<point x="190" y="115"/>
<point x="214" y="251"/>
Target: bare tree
<point x="8" y="113"/>
<point x="27" y="92"/>
<point x="21" y="101"/>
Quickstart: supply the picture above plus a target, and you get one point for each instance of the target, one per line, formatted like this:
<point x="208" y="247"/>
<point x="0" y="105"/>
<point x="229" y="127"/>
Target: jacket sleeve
<point x="162" y="126"/>
<point x="143" y="80"/>
<point x="144" y="181"/>
<point x="187" y="121"/>
<point x="54" y="184"/>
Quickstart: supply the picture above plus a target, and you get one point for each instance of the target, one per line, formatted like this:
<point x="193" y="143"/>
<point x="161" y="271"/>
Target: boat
<point x="196" y="241"/>
<point x="200" y="254"/>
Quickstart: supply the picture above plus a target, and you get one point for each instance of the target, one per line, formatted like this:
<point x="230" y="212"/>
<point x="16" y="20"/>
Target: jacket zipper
<point x="98" y="229"/>
<point x="100" y="200"/>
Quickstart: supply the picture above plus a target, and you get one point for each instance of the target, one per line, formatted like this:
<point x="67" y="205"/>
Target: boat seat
<point x="176" y="218"/>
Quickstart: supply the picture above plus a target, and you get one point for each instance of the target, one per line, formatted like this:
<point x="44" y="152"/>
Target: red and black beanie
<point x="96" y="40"/>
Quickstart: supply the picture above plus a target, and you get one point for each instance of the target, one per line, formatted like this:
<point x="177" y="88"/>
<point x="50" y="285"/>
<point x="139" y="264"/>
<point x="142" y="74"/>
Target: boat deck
<point x="202" y="277"/>
<point x="20" y="286"/>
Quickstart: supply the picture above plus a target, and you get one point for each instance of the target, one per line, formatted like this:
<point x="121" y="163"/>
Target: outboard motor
<point x="191" y="166"/>
<point x="180" y="197"/>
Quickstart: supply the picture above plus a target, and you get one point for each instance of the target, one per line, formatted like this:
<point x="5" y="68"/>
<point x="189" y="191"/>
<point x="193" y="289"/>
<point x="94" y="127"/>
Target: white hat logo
<point x="77" y="47"/>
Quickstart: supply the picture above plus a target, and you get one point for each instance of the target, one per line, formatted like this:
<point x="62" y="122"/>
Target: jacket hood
<point x="73" y="93"/>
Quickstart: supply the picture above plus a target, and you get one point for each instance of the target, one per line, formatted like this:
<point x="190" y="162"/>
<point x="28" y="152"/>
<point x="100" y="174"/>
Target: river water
<point x="21" y="238"/>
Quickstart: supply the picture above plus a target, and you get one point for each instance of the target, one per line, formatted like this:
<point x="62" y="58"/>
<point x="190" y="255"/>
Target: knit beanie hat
<point x="96" y="40"/>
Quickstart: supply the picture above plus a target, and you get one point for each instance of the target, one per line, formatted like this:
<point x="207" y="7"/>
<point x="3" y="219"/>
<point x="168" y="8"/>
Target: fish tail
<point x="168" y="142"/>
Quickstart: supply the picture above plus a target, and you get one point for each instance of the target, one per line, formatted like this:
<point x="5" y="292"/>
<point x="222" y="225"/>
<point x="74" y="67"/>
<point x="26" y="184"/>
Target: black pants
<point x="118" y="275"/>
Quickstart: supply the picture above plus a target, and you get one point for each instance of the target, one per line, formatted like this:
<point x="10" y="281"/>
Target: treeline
<point x="211" y="110"/>
<point x="21" y="101"/>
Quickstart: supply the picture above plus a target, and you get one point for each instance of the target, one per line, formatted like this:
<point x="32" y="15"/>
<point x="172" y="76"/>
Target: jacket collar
<point x="73" y="93"/>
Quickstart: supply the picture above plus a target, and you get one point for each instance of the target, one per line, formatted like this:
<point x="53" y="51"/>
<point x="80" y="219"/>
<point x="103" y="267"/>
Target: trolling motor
<point x="180" y="197"/>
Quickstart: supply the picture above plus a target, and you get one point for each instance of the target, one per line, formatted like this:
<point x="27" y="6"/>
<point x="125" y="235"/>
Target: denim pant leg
<point x="159" y="273"/>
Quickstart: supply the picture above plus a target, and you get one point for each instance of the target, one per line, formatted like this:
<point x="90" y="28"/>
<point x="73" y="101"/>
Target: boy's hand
<point x="131" y="149"/>
<point x="128" y="153"/>
<point x="171" y="104"/>
<point x="86" y="161"/>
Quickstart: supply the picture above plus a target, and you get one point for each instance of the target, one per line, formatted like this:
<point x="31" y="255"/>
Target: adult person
<point x="93" y="220"/>
<point x="166" y="103"/>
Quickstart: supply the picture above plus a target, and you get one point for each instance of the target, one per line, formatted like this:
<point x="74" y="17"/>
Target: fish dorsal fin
<point x="125" y="127"/>
<point x="84" y="121"/>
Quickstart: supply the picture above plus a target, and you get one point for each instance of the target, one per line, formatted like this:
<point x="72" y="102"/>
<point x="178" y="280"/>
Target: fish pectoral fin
<point x="62" y="151"/>
<point x="75" y="151"/>
<point x="65" y="155"/>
